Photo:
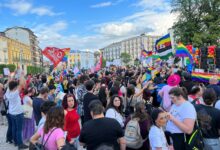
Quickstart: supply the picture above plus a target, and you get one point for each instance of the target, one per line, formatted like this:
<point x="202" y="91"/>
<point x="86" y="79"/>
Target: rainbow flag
<point x="163" y="47"/>
<point x="145" y="54"/>
<point x="182" y="51"/>
<point x="67" y="52"/>
<point x="203" y="77"/>
<point x="145" y="78"/>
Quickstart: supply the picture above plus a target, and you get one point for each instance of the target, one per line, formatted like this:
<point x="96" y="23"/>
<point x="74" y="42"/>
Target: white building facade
<point x="81" y="59"/>
<point x="132" y="46"/>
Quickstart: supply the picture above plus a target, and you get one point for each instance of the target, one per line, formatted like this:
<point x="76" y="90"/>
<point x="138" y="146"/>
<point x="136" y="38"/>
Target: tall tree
<point x="126" y="58"/>
<point x="198" y="21"/>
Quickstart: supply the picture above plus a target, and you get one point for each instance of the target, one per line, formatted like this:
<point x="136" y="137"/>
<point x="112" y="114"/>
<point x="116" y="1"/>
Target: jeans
<point x="211" y="144"/>
<point x="17" y="122"/>
<point x="9" y="131"/>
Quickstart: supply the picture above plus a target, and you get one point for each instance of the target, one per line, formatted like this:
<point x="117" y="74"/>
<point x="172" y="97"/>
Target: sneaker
<point x="22" y="146"/>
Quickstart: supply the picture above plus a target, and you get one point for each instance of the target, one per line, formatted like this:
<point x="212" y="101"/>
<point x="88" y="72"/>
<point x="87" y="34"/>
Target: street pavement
<point x="6" y="146"/>
<point x="3" y="144"/>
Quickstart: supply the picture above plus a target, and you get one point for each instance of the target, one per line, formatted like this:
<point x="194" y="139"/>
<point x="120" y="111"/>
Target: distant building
<point x="14" y="52"/>
<point x="132" y="46"/>
<point x="26" y="36"/>
<point x="81" y="59"/>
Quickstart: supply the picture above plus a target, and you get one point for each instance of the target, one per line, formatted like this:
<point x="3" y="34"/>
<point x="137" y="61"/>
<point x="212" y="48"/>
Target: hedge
<point x="34" y="70"/>
<point x="11" y="67"/>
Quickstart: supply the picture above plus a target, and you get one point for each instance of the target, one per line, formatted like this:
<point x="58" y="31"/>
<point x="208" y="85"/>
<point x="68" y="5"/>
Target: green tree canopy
<point x="198" y="21"/>
<point x="126" y="58"/>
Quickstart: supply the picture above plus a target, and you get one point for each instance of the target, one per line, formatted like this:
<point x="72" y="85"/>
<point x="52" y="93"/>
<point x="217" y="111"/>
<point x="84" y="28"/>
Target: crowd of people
<point x="112" y="109"/>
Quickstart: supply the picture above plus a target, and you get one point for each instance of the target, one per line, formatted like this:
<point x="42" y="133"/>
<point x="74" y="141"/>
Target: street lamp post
<point x="21" y="51"/>
<point x="5" y="50"/>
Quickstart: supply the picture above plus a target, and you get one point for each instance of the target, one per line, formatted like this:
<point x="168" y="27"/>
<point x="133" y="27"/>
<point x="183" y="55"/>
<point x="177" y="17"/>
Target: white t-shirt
<point x="184" y="111"/>
<point x="13" y="97"/>
<point x="157" y="138"/>
<point x="26" y="100"/>
<point x="217" y="105"/>
<point x="112" y="113"/>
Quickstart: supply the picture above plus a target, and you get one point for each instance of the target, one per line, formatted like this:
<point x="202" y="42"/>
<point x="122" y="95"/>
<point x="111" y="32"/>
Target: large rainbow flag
<point x="203" y="77"/>
<point x="67" y="52"/>
<point x="182" y="51"/>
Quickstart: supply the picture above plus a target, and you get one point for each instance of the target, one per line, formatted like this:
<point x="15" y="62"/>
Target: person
<point x="44" y="108"/>
<point x="28" y="123"/>
<point x="103" y="92"/>
<point x="65" y="85"/>
<point x="156" y="135"/>
<point x="217" y="104"/>
<point x="80" y="92"/>
<point x="195" y="96"/>
<point x="209" y="120"/>
<point x="181" y="118"/>
<point x="72" y="118"/>
<point x="144" y="121"/>
<point x="52" y="132"/>
<point x="51" y="95"/>
<point x="38" y="101"/>
<point x="88" y="98"/>
<point x="101" y="130"/>
<point x="114" y="109"/>
<point x="2" y="105"/>
<point x="172" y="81"/>
<point x="15" y="110"/>
<point x="187" y="81"/>
<point x="213" y="83"/>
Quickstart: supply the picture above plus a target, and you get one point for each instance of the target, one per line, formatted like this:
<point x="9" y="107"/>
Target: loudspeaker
<point x="204" y="51"/>
<point x="217" y="52"/>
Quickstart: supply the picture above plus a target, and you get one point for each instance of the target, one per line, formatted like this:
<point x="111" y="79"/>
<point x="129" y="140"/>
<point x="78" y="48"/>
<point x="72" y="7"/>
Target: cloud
<point x="100" y="5"/>
<point x="151" y="19"/>
<point x="106" y="4"/>
<point x="22" y="7"/>
<point x="154" y="19"/>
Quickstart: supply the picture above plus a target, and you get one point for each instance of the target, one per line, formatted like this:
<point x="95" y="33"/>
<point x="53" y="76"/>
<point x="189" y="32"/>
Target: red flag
<point x="54" y="54"/>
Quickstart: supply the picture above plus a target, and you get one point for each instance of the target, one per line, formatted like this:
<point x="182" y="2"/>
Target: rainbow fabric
<point x="182" y="51"/>
<point x="203" y="77"/>
<point x="67" y="52"/>
<point x="145" y="54"/>
<point x="146" y="77"/>
<point x="163" y="47"/>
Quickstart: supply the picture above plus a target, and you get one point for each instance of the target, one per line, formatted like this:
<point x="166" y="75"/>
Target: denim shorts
<point x="211" y="144"/>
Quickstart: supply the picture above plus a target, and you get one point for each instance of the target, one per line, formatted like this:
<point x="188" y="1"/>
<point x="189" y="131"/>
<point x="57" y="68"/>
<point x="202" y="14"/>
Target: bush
<point x="34" y="70"/>
<point x="11" y="67"/>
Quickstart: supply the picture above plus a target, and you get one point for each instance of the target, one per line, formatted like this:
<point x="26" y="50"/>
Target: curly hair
<point x="55" y="118"/>
<point x="65" y="103"/>
<point x="111" y="104"/>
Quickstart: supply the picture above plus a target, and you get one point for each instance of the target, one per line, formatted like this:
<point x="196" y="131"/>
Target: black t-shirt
<point x="37" y="102"/>
<point x="101" y="131"/>
<point x="209" y="120"/>
<point x="88" y="97"/>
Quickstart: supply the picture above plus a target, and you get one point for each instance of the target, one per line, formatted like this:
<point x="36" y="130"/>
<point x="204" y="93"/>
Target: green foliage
<point x="198" y="21"/>
<point x="34" y="70"/>
<point x="103" y="62"/>
<point x="11" y="67"/>
<point x="126" y="58"/>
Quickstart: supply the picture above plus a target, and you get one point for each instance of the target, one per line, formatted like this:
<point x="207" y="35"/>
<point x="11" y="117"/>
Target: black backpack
<point x="128" y="109"/>
<point x="194" y="141"/>
<point x="38" y="146"/>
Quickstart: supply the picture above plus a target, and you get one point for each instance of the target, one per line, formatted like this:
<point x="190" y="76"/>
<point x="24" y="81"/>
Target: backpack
<point x="38" y="146"/>
<point x="194" y="141"/>
<point x="133" y="135"/>
<point x="128" y="109"/>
